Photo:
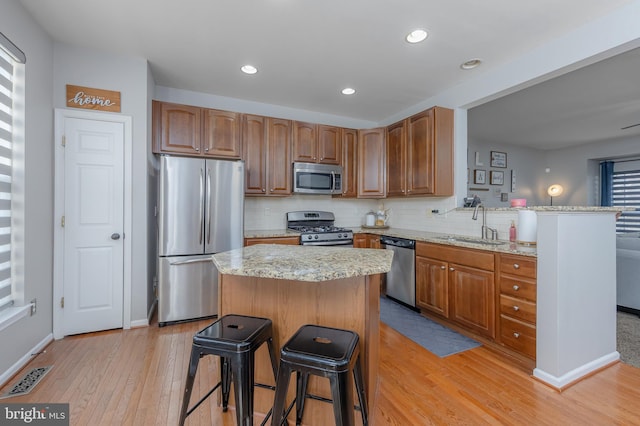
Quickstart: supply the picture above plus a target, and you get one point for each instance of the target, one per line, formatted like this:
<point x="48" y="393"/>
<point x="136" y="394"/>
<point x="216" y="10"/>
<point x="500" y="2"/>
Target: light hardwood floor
<point x="135" y="377"/>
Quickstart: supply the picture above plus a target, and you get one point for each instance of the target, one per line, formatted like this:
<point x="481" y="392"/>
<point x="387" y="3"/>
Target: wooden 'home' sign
<point x="96" y="99"/>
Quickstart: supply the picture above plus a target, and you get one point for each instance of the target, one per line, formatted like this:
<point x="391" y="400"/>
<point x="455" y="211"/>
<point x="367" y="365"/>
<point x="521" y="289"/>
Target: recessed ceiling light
<point x="249" y="69"/>
<point x="416" y="36"/>
<point x="348" y="91"/>
<point x="470" y="64"/>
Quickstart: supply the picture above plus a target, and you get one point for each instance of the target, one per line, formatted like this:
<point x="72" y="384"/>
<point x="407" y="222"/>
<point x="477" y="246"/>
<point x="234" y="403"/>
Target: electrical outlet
<point x="267" y="211"/>
<point x="33" y="307"/>
<point x="429" y="214"/>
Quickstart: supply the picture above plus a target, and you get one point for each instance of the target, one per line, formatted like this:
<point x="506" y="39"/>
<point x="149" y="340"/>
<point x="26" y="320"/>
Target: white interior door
<point x="93" y="226"/>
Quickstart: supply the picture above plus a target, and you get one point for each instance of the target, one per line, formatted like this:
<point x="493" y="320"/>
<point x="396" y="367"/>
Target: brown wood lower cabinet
<point x="518" y="295"/>
<point x="362" y="240"/>
<point x="488" y="295"/>
<point x="292" y="241"/>
<point x="457" y="284"/>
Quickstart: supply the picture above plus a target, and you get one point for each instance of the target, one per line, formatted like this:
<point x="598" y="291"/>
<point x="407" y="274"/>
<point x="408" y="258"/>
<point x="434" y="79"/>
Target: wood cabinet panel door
<point x="371" y="163"/>
<point x="329" y="145"/>
<point x="396" y="159"/>
<point x="420" y="154"/>
<point x="304" y="142"/>
<point x="472" y="299"/>
<point x="349" y="162"/>
<point x="177" y="128"/>
<point x="279" y="155"/>
<point x="432" y="286"/>
<point x="254" y="141"/>
<point x="222" y="134"/>
<point x="359" y="240"/>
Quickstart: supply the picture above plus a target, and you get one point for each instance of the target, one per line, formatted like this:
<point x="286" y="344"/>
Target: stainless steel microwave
<point x="311" y="178"/>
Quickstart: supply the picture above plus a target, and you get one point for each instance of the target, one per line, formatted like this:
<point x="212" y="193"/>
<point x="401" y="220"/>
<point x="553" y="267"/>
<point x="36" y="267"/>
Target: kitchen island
<point x="298" y="285"/>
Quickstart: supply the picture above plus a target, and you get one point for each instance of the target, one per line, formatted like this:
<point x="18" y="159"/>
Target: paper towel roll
<point x="527" y="227"/>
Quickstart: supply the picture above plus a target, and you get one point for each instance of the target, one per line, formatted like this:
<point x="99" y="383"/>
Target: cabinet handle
<point x="516" y="266"/>
<point x="443" y="267"/>
<point x="206" y="150"/>
<point x="321" y="158"/>
<point x="451" y="269"/>
<point x="271" y="190"/>
<point x="198" y="149"/>
<point x="516" y="308"/>
<point x="516" y="287"/>
<point x="516" y="335"/>
<point x="264" y="190"/>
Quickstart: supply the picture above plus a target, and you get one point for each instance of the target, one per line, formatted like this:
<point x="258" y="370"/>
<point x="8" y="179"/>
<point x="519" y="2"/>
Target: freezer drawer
<point x="187" y="288"/>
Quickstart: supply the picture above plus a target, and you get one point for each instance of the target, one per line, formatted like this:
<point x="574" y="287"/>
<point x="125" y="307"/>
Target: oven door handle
<point x="328" y="243"/>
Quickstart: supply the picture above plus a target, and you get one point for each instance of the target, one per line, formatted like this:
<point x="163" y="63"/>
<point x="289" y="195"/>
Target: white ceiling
<point x="596" y="103"/>
<point x="307" y="51"/>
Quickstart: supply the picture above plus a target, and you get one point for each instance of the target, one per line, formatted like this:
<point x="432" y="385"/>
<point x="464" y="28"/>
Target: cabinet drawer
<point x="518" y="336"/>
<point x="467" y="257"/>
<point x="518" y="287"/>
<point x="518" y="265"/>
<point x="518" y="308"/>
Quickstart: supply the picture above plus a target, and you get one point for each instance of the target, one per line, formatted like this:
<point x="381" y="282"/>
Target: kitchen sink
<point x="470" y="240"/>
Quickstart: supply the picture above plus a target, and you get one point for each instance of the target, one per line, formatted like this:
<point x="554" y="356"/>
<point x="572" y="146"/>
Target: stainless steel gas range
<point x="317" y="229"/>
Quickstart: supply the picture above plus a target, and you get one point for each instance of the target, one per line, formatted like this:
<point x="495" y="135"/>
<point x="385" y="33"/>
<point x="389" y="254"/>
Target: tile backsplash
<point x="420" y="214"/>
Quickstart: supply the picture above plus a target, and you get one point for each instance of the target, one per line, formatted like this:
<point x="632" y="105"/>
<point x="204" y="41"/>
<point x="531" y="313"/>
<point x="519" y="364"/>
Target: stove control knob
<point x="315" y="236"/>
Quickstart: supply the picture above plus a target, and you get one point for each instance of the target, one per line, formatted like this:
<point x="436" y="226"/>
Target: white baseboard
<point x="145" y="322"/>
<point x="576" y="374"/>
<point x="7" y="375"/>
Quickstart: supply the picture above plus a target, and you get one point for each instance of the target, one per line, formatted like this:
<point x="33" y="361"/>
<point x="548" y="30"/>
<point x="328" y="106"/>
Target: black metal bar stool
<point x="234" y="338"/>
<point x="327" y="352"/>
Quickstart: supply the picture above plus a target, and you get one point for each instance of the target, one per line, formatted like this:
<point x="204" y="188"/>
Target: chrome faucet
<point x="485" y="229"/>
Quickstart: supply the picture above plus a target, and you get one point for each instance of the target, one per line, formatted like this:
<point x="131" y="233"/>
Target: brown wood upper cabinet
<point x="267" y="153"/>
<point x="316" y="143"/>
<point x="371" y="163"/>
<point x="420" y="154"/>
<point x="190" y="130"/>
<point x="349" y="163"/>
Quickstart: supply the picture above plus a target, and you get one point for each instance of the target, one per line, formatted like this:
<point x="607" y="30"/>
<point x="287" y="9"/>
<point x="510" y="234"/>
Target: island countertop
<point x="303" y="263"/>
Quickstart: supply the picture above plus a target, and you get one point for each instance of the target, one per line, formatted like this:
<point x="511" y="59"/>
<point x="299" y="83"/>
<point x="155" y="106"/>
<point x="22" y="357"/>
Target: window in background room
<point x="625" y="192"/>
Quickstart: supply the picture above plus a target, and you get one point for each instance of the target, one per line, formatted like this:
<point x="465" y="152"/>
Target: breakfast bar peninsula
<point x="297" y="285"/>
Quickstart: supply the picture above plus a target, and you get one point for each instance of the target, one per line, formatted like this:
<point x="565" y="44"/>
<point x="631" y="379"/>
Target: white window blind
<point x="626" y="193"/>
<point x="6" y="131"/>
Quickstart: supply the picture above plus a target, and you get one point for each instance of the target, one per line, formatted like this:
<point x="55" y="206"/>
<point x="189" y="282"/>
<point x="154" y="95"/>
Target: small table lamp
<point x="554" y="190"/>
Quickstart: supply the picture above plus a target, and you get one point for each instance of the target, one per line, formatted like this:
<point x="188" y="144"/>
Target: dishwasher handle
<point x="398" y="242"/>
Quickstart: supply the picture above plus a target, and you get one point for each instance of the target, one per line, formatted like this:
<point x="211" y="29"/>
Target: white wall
<point x="128" y="75"/>
<point x="527" y="163"/>
<point x="576" y="169"/>
<point x="32" y="253"/>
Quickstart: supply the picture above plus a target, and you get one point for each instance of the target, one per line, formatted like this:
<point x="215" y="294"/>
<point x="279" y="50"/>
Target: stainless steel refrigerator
<point x="200" y="213"/>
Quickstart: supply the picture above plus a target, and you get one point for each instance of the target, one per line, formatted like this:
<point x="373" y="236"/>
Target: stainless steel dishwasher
<point x="401" y="279"/>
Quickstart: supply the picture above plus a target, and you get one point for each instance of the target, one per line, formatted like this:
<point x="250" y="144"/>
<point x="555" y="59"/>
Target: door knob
<point x="115" y="236"/>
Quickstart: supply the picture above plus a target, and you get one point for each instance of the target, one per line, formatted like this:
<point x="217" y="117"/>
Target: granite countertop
<point x="303" y="263"/>
<point x="270" y="233"/>
<point x="500" y="246"/>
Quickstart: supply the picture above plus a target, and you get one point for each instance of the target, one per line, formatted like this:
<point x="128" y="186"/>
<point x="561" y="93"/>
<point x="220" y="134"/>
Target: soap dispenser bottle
<point x="512" y="232"/>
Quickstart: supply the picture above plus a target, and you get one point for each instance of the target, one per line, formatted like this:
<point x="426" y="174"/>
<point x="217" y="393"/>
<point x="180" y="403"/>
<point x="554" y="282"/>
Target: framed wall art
<point x="496" y="177"/>
<point x="499" y="159"/>
<point x="479" y="176"/>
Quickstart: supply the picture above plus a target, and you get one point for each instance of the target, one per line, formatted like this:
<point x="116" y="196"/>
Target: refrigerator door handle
<point x="187" y="262"/>
<point x="208" y="204"/>
<point x="201" y="221"/>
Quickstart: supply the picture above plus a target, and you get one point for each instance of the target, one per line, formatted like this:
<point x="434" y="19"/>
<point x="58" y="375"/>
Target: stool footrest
<point x="328" y="400"/>
<point x="203" y="399"/>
